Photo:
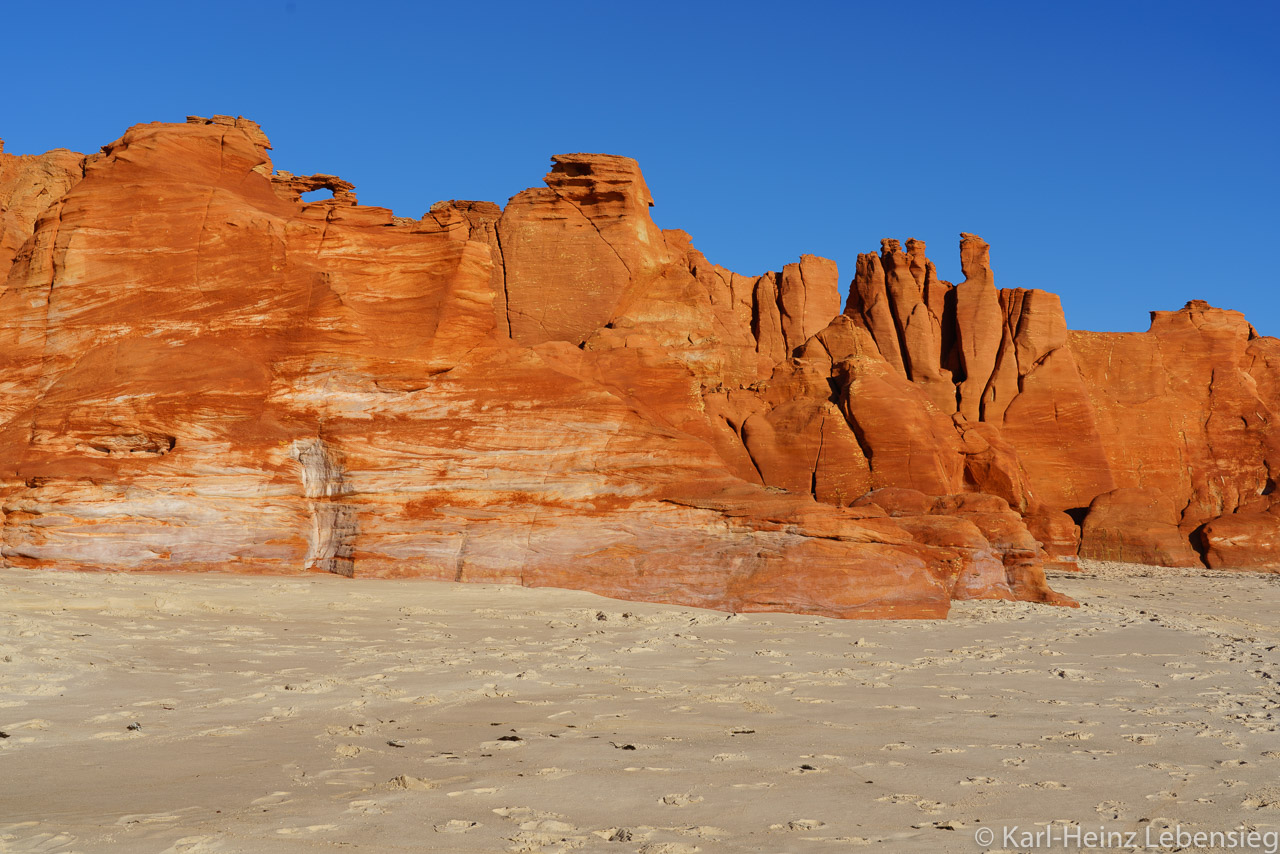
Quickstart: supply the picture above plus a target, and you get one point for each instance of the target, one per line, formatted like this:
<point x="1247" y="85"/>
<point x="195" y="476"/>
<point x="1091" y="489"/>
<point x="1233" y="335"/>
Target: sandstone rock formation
<point x="1246" y="539"/>
<point x="1136" y="525"/>
<point x="198" y="369"/>
<point x="203" y="371"/>
<point x="1152" y="440"/>
<point x="29" y="185"/>
<point x="1189" y="409"/>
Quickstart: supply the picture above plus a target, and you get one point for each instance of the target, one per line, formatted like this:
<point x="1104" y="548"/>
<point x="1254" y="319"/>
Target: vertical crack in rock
<point x="817" y="459"/>
<point x="506" y="292"/>
<point x="334" y="528"/>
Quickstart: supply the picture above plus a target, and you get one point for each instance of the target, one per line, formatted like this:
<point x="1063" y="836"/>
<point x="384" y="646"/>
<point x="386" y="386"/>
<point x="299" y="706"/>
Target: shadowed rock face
<point x="200" y="370"/>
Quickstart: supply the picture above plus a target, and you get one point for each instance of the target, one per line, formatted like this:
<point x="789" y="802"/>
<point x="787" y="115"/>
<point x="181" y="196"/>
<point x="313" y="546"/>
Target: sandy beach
<point x="217" y="713"/>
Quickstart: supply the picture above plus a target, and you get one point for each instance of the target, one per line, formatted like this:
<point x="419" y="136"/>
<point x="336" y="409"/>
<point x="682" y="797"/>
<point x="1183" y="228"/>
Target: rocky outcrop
<point x="1136" y="525"/>
<point x="573" y="249"/>
<point x="200" y="369"/>
<point x="1003" y="555"/>
<point x="1189" y="411"/>
<point x="1058" y="422"/>
<point x="29" y="186"/>
<point x="1246" y="539"/>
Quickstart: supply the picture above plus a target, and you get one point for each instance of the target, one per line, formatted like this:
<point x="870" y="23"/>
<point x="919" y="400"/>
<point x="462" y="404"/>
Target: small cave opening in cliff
<point x="1077" y="514"/>
<point x="320" y="195"/>
<point x="1270" y="487"/>
<point x="1200" y="543"/>
<point x="834" y="384"/>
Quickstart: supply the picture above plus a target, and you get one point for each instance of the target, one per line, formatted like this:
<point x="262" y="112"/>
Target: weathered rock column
<point x="334" y="527"/>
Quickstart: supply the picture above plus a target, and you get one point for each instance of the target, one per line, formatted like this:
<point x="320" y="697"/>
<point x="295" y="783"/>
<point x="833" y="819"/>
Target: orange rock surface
<point x="200" y="370"/>
<point x="1153" y="440"/>
<point x="1190" y="409"/>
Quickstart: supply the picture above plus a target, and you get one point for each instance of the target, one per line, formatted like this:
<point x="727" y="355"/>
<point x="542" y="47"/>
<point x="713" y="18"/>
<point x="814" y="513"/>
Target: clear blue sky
<point x="1122" y="154"/>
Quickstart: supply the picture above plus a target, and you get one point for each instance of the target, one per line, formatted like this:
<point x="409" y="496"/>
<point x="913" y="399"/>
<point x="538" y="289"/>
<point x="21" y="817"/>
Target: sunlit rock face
<point x="199" y="370"/>
<point x="1165" y="444"/>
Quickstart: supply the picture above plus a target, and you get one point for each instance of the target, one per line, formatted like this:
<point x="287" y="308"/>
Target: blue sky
<point x="1121" y="154"/>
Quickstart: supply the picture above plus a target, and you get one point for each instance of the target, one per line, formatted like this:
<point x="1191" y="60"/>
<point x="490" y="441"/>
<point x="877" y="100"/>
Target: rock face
<point x="29" y="185"/>
<point x="200" y="370"/>
<point x="1243" y="540"/>
<point x="1153" y="440"/>
<point x="203" y="371"/>
<point x="1136" y="525"/>
<point x="1190" y="409"/>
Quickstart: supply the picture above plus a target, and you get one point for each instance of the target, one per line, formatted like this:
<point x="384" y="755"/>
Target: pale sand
<point x="318" y="713"/>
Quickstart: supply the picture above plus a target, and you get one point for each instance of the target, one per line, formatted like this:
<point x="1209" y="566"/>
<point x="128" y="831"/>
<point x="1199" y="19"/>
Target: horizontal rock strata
<point x="201" y="370"/>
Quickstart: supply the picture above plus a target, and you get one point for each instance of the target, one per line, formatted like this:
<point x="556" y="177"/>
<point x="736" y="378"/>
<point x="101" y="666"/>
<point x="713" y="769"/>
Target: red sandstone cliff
<point x="199" y="370"/>
<point x="1164" y="444"/>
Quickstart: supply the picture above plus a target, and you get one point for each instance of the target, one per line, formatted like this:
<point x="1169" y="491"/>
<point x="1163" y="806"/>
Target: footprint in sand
<point x="310" y="828"/>
<point x="548" y="825"/>
<point x="110" y="717"/>
<point x="41" y="843"/>
<point x="923" y="804"/>
<point x="537" y="834"/>
<point x="344" y="776"/>
<point x="406" y="781"/>
<point x="221" y="732"/>
<point x="1164" y="795"/>
<point x="34" y="723"/>
<point x="807" y="768"/>
<point x="279" y="713"/>
<point x="151" y="818"/>
<point x="521" y="814"/>
<point x="668" y="848"/>
<point x="1266" y="798"/>
<point x="799" y="824"/>
<point x="455" y="825"/>
<point x="365" y="806"/>
<point x="622" y="834"/>
<point x="195" y="845"/>
<point x="702" y="831"/>
<point x="554" y="773"/>
<point x="1073" y="675"/>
